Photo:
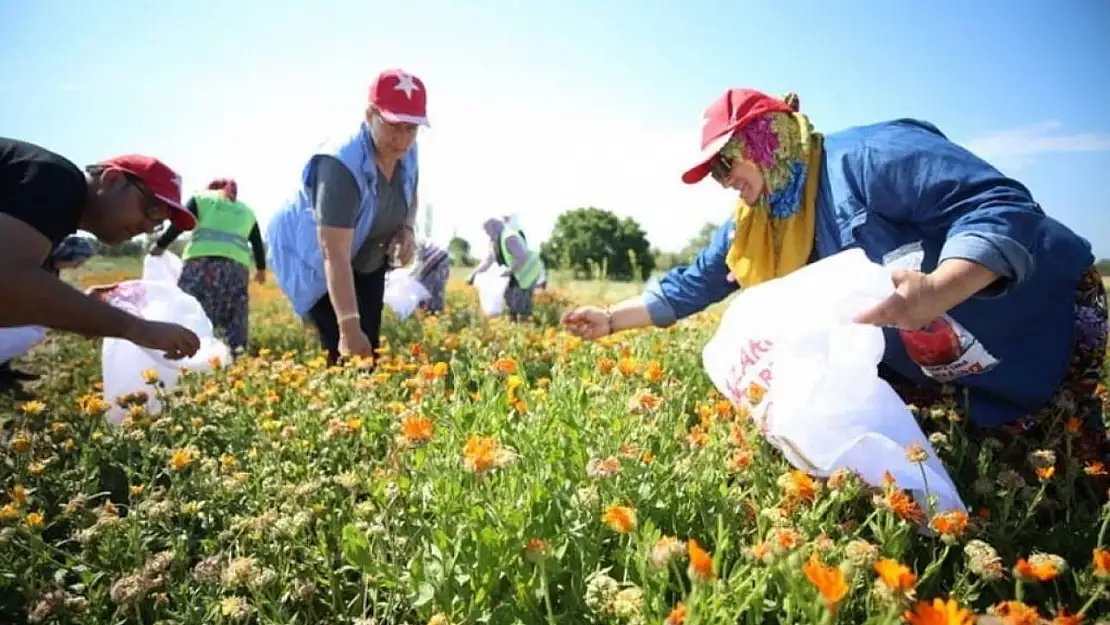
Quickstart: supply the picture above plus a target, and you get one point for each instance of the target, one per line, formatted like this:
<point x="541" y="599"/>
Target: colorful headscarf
<point x="774" y="237"/>
<point x="227" y="185"/>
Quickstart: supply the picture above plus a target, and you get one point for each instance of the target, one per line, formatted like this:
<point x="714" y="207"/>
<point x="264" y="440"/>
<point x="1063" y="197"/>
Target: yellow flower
<point x="181" y="459"/>
<point x="34" y="520"/>
<point x="32" y="407"/>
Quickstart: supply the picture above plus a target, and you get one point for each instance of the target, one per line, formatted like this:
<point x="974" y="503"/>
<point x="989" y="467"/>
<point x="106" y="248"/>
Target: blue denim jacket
<point x="911" y="198"/>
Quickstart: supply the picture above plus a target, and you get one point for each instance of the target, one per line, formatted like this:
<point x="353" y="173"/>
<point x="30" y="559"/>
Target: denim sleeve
<point x="335" y="194"/>
<point x="914" y="174"/>
<point x="689" y="289"/>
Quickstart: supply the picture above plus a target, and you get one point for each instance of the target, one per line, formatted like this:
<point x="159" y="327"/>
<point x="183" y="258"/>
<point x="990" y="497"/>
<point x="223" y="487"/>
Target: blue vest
<point x="292" y="243"/>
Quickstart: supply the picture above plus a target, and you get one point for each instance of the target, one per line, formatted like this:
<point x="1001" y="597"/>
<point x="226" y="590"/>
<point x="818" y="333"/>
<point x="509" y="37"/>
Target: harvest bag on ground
<point x="492" y="284"/>
<point x="788" y="352"/>
<point x="155" y="297"/>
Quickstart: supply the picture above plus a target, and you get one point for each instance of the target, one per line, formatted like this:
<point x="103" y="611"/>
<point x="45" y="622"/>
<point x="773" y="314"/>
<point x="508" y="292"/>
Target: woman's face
<point x="392" y="139"/>
<point x="742" y="176"/>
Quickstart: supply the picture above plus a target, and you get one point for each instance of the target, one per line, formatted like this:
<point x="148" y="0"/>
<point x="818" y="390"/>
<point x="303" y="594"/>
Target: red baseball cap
<point x="729" y="113"/>
<point x="400" y="97"/>
<point x="162" y="181"/>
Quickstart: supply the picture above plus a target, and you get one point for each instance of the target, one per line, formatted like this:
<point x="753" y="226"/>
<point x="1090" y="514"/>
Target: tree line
<point x="587" y="243"/>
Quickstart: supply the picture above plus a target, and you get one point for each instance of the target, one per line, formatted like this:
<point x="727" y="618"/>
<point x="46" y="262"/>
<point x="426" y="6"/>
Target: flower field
<point x="487" y="472"/>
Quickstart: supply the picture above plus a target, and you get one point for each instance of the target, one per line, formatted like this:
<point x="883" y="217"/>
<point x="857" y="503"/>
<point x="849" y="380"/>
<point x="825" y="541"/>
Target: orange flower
<point x="621" y="519"/>
<point x="482" y="453"/>
<point x="895" y="575"/>
<point x="1073" y="425"/>
<point x="1095" y="469"/>
<point x="417" y="429"/>
<point x="605" y="365"/>
<point x="628" y="366"/>
<point x="950" y="523"/>
<point x="654" y="371"/>
<point x="902" y="505"/>
<point x="1016" y="613"/>
<point x="505" y="365"/>
<point x="643" y="402"/>
<point x="1063" y="618"/>
<point x="701" y="564"/>
<point x="1100" y="560"/>
<point x="1046" y="473"/>
<point x="756" y="394"/>
<point x="829" y="581"/>
<point x="1041" y="570"/>
<point x="677" y="615"/>
<point x="799" y="485"/>
<point x="938" y="613"/>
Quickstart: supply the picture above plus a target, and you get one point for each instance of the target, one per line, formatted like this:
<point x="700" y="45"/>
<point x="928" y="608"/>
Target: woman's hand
<point x="588" y="322"/>
<point x="919" y="298"/>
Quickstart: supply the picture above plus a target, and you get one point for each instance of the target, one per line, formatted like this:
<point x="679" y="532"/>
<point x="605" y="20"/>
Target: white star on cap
<point x="405" y="83"/>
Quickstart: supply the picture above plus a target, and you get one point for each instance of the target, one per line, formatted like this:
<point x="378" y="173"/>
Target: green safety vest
<point x="530" y="272"/>
<point x="223" y="229"/>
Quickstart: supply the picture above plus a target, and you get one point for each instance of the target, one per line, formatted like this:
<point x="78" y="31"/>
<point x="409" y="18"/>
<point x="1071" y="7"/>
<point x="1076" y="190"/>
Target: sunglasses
<point x="153" y="208"/>
<point x="720" y="167"/>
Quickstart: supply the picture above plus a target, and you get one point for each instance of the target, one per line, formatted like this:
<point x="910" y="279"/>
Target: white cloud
<point x="1017" y="147"/>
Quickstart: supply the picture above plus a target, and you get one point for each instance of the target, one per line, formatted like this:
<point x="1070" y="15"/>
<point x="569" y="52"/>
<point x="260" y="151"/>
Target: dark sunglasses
<point x="719" y="168"/>
<point x="153" y="208"/>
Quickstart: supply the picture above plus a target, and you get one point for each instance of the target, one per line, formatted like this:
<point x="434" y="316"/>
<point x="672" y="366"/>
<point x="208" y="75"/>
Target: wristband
<point x="347" y="317"/>
<point x="609" y="319"/>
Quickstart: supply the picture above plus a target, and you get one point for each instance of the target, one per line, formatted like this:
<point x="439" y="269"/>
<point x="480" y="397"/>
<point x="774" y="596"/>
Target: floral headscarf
<point x="774" y="237"/>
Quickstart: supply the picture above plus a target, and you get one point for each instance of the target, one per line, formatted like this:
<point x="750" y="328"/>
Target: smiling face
<point x="740" y="175"/>
<point x="123" y="208"/>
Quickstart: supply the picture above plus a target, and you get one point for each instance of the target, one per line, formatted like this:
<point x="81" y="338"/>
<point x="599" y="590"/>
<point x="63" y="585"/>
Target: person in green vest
<point x="509" y="248"/>
<point x="218" y="258"/>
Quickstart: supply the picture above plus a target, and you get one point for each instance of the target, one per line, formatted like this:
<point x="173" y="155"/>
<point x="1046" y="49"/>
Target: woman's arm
<point x="682" y="292"/>
<point x="913" y="174"/>
<point x="172" y="232"/>
<point x="689" y="289"/>
<point x="336" y="201"/>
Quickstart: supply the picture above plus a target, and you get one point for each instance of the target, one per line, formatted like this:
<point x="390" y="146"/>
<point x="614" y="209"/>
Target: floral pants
<point x="220" y="285"/>
<point x="436" y="283"/>
<point x="1072" y="423"/>
<point x="518" y="300"/>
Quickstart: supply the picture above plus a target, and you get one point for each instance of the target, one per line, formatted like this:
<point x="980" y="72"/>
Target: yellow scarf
<point x="765" y="247"/>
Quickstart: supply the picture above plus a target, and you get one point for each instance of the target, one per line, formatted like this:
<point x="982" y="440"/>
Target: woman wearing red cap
<point x="331" y="246"/>
<point x="218" y="258"/>
<point x="44" y="198"/>
<point x="992" y="296"/>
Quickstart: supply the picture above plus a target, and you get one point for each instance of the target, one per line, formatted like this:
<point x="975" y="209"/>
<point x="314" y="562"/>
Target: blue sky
<point x="541" y="106"/>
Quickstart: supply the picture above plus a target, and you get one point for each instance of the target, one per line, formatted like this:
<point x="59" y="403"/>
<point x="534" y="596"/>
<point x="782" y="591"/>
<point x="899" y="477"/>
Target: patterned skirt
<point x="518" y="300"/>
<point x="221" y="287"/>
<point x="435" y="280"/>
<point x="1071" y="424"/>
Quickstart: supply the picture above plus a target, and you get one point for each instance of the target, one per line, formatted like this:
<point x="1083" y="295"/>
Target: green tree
<point x="1103" y="266"/>
<point x="590" y="242"/>
<point x="459" y="251"/>
<point x="696" y="244"/>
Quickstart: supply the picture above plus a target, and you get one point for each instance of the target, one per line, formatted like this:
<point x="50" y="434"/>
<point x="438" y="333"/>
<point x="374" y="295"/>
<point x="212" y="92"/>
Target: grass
<point x="488" y="472"/>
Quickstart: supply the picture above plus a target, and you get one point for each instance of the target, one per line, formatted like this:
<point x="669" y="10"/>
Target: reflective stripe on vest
<point x="222" y="229"/>
<point x="530" y="272"/>
<point x="211" y="235"/>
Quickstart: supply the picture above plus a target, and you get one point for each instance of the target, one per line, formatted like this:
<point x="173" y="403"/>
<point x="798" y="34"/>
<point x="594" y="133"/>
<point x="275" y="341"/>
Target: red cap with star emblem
<point x="729" y="113"/>
<point x="400" y="97"/>
<point x="163" y="182"/>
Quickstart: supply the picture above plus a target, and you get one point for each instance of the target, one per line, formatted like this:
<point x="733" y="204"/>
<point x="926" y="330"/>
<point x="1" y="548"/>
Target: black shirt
<point x="42" y="189"/>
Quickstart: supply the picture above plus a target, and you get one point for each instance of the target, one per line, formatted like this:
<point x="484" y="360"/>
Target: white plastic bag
<point x="164" y="268"/>
<point x="404" y="293"/>
<point x="788" y="352"/>
<point x="123" y="362"/>
<point x="492" y="284"/>
<point x="19" y="340"/>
